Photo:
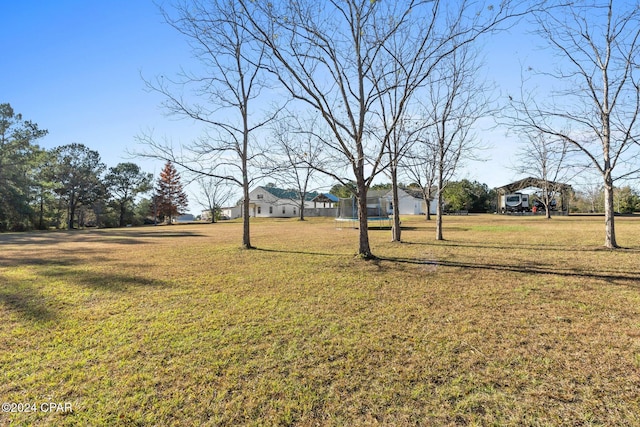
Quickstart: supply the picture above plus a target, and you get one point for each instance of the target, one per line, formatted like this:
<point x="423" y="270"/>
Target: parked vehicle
<point x="515" y="202"/>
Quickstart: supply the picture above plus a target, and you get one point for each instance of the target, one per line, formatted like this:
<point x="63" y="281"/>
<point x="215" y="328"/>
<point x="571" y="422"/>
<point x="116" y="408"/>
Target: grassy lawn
<point x="510" y="321"/>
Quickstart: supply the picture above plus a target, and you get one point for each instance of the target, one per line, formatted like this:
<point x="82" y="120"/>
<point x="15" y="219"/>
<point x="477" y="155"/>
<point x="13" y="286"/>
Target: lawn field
<point x="510" y="321"/>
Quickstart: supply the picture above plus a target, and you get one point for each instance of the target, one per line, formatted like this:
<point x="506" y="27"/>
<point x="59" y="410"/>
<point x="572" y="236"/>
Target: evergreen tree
<point x="125" y="181"/>
<point x="43" y="197"/>
<point x="76" y="172"/>
<point x="170" y="200"/>
<point x="18" y="156"/>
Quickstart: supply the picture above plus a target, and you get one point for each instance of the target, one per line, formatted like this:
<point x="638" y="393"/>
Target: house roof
<point x="289" y="194"/>
<point x="377" y="193"/>
<point x="413" y="192"/>
<point x="531" y="182"/>
<point x="326" y="197"/>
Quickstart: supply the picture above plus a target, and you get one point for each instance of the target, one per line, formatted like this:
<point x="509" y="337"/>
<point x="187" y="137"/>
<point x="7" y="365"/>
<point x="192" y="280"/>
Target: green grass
<point x="510" y="321"/>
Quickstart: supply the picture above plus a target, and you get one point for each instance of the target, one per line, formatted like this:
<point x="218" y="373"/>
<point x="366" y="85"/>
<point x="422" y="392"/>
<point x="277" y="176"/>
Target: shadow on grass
<point x="28" y="303"/>
<point x="63" y="257"/>
<point x="35" y="261"/>
<point x="611" y="276"/>
<point x="518" y="247"/>
<point x="122" y="236"/>
<point x="23" y="297"/>
<point x="282" y="251"/>
<point x="112" y="282"/>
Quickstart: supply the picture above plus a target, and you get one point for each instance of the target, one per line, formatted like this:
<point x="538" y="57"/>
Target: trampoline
<point x="377" y="213"/>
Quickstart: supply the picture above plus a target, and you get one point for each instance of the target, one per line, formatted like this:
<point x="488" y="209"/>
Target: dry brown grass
<point x="510" y="321"/>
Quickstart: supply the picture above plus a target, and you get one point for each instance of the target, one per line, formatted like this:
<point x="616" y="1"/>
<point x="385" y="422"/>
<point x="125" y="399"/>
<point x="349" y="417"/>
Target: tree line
<point x="69" y="186"/>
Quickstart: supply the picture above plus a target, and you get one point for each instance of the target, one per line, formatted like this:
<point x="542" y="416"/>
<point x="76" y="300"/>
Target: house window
<point x="270" y="209"/>
<point x="283" y="209"/>
<point x="259" y="209"/>
<point x="294" y="211"/>
<point x="260" y="196"/>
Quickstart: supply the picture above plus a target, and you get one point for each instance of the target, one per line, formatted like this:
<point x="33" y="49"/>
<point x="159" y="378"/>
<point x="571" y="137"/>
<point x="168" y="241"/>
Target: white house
<point x="231" y="212"/>
<point x="410" y="202"/>
<point x="272" y="202"/>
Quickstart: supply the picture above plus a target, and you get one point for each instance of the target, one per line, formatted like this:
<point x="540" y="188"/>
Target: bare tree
<point x="396" y="85"/>
<point x="229" y="85"/>
<point x="420" y="164"/>
<point x="546" y="160"/>
<point x="398" y="142"/>
<point x="596" y="111"/>
<point x="326" y="55"/>
<point x="214" y="193"/>
<point x="457" y="99"/>
<point x="296" y="156"/>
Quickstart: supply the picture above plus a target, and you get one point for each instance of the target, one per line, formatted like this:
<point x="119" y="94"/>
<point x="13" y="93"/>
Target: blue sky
<point x="74" y="67"/>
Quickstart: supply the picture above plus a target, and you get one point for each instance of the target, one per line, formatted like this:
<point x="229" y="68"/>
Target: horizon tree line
<point x="69" y="187"/>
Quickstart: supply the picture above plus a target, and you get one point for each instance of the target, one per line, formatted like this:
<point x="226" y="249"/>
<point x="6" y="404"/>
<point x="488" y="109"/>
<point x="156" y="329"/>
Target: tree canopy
<point x="18" y="157"/>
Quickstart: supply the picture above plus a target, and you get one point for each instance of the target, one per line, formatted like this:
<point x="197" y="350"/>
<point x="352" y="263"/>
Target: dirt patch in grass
<point x="510" y="321"/>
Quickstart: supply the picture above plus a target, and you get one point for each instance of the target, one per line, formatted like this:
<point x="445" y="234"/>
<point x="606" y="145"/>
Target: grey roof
<point x="414" y="192"/>
<point x="289" y="194"/>
<point x="531" y="182"/>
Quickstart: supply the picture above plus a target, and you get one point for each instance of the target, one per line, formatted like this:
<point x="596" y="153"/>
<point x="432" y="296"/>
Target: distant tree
<point x="76" y="172"/>
<point x="382" y="186"/>
<point x="170" y="199"/>
<point x="547" y="160"/>
<point x="627" y="200"/>
<point x="593" y="195"/>
<point x="124" y="182"/>
<point x="296" y="157"/>
<point x="142" y="210"/>
<point x="457" y="99"/>
<point x="484" y="198"/>
<point x="420" y="164"/>
<point x="466" y="195"/>
<point x="18" y="155"/>
<point x="456" y="198"/>
<point x="214" y="193"/>
<point x="343" y="191"/>
<point x="44" y="202"/>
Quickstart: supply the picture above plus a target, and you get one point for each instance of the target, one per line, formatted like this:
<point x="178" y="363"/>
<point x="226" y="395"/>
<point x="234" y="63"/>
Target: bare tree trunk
<point x="439" y="211"/>
<point x="609" y="214"/>
<point x="395" y="229"/>
<point x="301" y="217"/>
<point x="246" y="235"/>
<point x="364" y="250"/>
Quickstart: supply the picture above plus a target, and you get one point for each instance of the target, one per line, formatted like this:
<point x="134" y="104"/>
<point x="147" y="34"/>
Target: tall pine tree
<point x="170" y="200"/>
<point x="18" y="160"/>
<point x="76" y="172"/>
